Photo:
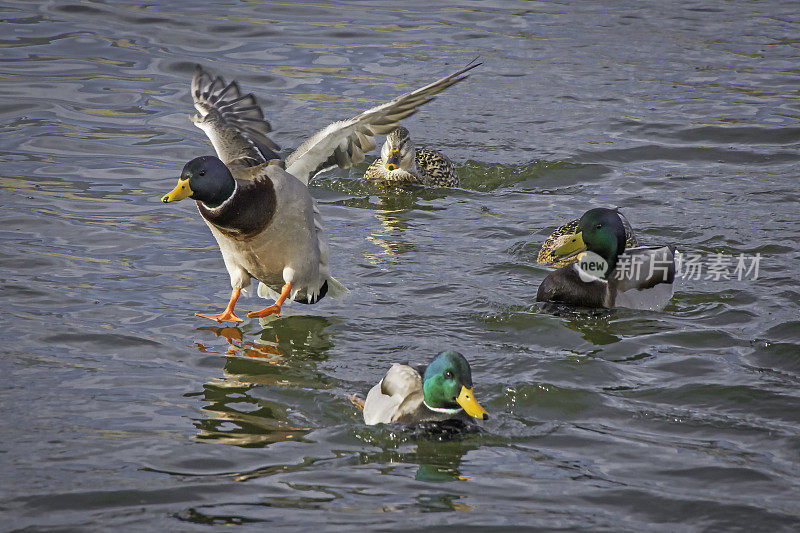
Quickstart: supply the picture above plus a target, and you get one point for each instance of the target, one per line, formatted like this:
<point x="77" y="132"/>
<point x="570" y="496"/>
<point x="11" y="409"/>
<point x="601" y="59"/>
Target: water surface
<point x="124" y="410"/>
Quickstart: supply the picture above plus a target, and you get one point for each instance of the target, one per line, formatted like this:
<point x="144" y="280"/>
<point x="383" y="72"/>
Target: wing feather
<point x="400" y="388"/>
<point x="233" y="122"/>
<point x="319" y="152"/>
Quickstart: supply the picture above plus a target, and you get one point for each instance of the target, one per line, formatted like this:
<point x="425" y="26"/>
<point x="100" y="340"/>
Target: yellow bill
<point x="181" y="191"/>
<point x="393" y="162"/>
<point x="467" y="402"/>
<point x="573" y="246"/>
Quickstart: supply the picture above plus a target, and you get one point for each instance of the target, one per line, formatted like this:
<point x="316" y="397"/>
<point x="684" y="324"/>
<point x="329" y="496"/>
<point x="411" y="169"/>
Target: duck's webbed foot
<point x="227" y="315"/>
<point x="274" y="309"/>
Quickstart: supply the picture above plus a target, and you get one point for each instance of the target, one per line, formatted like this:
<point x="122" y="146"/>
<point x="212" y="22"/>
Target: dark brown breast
<point x="565" y="286"/>
<point x="247" y="213"/>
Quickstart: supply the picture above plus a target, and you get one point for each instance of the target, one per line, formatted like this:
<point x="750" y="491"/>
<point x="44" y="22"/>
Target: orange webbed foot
<point x="227" y="316"/>
<point x="271" y="310"/>
<point x="274" y="309"/>
<point x="358" y="402"/>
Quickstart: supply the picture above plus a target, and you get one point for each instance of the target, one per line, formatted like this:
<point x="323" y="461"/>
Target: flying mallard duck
<point x="607" y="274"/>
<point x="258" y="207"/>
<point x="441" y="391"/>
<point x="563" y="233"/>
<point x="401" y="163"/>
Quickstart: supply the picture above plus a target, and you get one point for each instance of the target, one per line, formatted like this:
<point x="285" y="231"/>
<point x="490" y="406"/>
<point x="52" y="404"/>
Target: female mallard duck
<point x="606" y="274"/>
<point x="441" y="391"/>
<point x="401" y="163"/>
<point x="563" y="233"/>
<point x="259" y="208"/>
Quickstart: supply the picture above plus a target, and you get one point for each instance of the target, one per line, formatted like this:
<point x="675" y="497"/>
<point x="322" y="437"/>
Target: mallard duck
<point x="440" y="391"/>
<point x="607" y="274"/>
<point x="563" y="233"/>
<point x="401" y="163"/>
<point x="258" y="207"/>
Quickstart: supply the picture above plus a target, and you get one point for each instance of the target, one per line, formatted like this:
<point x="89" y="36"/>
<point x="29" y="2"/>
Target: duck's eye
<point x="448" y="375"/>
<point x="599" y="226"/>
<point x="202" y="172"/>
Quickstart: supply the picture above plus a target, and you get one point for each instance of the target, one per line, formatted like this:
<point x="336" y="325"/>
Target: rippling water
<point x="124" y="410"/>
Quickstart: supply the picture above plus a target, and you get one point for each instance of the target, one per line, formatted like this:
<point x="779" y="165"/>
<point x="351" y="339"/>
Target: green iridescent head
<point x="600" y="231"/>
<point x="447" y="384"/>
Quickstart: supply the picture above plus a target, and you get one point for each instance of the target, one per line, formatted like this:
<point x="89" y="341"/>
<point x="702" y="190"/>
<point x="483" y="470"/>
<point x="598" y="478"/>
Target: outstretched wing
<point x="344" y="143"/>
<point x="233" y="122"/>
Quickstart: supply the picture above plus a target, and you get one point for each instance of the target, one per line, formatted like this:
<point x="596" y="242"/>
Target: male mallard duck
<point x="259" y="208"/>
<point x="402" y="163"/>
<point x="563" y="233"/>
<point x="606" y="274"/>
<point x="441" y="391"/>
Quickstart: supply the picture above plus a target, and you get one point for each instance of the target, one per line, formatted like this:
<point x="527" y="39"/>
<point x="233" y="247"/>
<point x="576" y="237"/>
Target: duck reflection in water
<point x="392" y="209"/>
<point x="250" y="404"/>
<point x="594" y="325"/>
<point x="390" y="238"/>
<point x="237" y="346"/>
<point x="438" y="454"/>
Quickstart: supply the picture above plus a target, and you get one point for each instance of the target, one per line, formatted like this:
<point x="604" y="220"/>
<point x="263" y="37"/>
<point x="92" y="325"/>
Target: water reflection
<point x="440" y="448"/>
<point x="391" y="208"/>
<point x="390" y="238"/>
<point x="440" y="461"/>
<point x="279" y="337"/>
<point x="442" y="502"/>
<point x="594" y="325"/>
<point x="604" y="327"/>
<point x="236" y="417"/>
<point x="245" y="406"/>
<point x="392" y="205"/>
<point x="543" y="174"/>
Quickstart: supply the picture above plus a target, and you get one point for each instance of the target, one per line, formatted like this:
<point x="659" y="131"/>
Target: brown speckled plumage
<point x="418" y="166"/>
<point x="558" y="237"/>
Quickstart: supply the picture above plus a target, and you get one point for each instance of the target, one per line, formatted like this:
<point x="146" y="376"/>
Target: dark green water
<point x="122" y="410"/>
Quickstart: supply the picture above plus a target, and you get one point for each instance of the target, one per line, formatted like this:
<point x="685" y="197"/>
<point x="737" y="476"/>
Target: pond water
<point x="124" y="410"/>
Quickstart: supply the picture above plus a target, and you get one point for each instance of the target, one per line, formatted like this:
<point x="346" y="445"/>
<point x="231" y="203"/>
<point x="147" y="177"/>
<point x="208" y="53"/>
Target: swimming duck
<point x="402" y="163"/>
<point x="563" y="233"/>
<point x="606" y="273"/>
<point x="440" y="391"/>
<point x="258" y="207"/>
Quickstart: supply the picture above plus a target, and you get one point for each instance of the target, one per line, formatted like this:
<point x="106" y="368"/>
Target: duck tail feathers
<point x="336" y="289"/>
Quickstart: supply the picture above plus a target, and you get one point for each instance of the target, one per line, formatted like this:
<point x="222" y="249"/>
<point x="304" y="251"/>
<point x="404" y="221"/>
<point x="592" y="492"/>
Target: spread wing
<point x="233" y="122"/>
<point x="344" y="143"/>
